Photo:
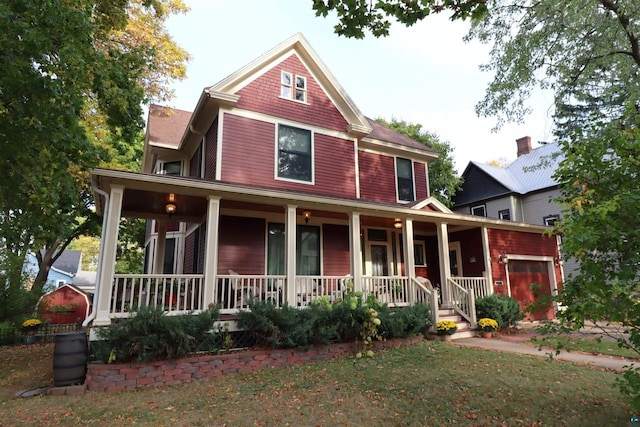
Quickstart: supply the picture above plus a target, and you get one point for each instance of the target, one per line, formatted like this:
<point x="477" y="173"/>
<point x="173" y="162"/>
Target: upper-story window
<point x="170" y="168"/>
<point x="551" y="220"/>
<point x="404" y="173"/>
<point x="480" y="210"/>
<point x="295" y="154"/>
<point x="504" y="214"/>
<point x="293" y="86"/>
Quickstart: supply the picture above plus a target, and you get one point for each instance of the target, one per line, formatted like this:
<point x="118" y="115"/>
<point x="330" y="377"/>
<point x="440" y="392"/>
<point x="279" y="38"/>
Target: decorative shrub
<point x="150" y="335"/>
<point x="502" y="308"/>
<point x="404" y="322"/>
<point x="446" y="327"/>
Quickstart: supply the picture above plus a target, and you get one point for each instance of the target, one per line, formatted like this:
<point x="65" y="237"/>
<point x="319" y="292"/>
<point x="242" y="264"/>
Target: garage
<point x="530" y="284"/>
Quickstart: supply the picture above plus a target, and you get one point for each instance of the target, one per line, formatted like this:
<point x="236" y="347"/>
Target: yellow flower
<point x="30" y="323"/>
<point x="487" y="325"/>
<point x="446" y="327"/>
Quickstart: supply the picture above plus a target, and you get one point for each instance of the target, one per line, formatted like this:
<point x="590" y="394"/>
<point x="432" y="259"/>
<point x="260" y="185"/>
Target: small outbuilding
<point x="66" y="304"/>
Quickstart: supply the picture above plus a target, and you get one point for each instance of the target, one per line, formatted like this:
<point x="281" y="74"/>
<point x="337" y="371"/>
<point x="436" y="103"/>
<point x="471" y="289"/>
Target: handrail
<point x="462" y="301"/>
<point x="427" y="294"/>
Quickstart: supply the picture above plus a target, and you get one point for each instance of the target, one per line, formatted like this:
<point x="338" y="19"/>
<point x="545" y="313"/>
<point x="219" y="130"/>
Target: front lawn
<point x="430" y="383"/>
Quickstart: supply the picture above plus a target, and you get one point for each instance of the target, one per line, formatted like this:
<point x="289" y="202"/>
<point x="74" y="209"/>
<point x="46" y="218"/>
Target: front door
<point x="378" y="254"/>
<point x="455" y="259"/>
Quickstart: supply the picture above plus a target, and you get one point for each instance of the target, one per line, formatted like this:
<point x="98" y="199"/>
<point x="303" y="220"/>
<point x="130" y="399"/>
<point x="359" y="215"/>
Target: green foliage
<point x="150" y="335"/>
<point x="405" y="322"/>
<point x="443" y="179"/>
<point x="351" y="319"/>
<point x="502" y="308"/>
<point x="358" y="16"/>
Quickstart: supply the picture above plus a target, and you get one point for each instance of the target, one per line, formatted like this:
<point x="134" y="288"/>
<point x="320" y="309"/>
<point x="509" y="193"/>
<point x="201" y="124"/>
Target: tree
<point x="358" y="16"/>
<point x="443" y="181"/>
<point x="587" y="52"/>
<point x="68" y="80"/>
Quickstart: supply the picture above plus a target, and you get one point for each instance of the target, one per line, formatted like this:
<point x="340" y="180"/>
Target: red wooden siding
<point x="377" y="177"/>
<point x="420" y="179"/>
<point x="241" y="245"/>
<point x="263" y="95"/>
<point x="248" y="154"/>
<point x="195" y="163"/>
<point x="51" y="304"/>
<point x="470" y="247"/>
<point x="189" y="253"/>
<point x="335" y="250"/>
<point x="514" y="242"/>
<point x="211" y="152"/>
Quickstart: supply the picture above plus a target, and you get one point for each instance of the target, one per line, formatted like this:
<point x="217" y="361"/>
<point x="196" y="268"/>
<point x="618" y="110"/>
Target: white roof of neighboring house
<point x="85" y="280"/>
<point x="529" y="172"/>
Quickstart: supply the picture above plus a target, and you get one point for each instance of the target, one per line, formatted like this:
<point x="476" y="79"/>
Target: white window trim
<point x="413" y="179"/>
<point x="277" y="156"/>
<point x="160" y="169"/>
<point x="502" y="211"/>
<point x="293" y="88"/>
<point x="424" y="253"/>
<point x="546" y="219"/>
<point x="484" y="207"/>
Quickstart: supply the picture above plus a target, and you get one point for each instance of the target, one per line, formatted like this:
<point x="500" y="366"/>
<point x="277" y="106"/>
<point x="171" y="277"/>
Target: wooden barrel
<point x="70" y="357"/>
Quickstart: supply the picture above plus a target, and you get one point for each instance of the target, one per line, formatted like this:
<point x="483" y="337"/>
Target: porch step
<point x="465" y="329"/>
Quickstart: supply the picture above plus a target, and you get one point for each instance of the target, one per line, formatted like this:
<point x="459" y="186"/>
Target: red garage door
<point x="529" y="281"/>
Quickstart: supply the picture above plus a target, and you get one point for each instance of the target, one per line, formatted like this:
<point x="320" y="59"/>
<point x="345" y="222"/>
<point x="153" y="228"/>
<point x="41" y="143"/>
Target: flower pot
<point x="486" y="334"/>
<point x="446" y="337"/>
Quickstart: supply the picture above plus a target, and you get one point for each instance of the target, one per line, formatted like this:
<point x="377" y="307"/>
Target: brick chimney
<point x="524" y="145"/>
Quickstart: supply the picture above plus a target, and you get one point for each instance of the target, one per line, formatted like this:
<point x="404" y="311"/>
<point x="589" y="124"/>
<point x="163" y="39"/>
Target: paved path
<point x="518" y="343"/>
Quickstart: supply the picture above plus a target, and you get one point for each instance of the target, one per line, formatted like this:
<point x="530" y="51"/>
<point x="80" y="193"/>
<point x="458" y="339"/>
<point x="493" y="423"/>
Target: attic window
<point x="293" y="87"/>
<point x="479" y="210"/>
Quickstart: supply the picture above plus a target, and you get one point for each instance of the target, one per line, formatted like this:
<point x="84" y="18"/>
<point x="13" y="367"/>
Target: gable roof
<point x="173" y="129"/>
<point x="68" y="262"/>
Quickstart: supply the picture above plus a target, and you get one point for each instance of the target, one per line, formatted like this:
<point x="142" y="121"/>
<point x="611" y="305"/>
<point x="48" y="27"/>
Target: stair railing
<point x="462" y="301"/>
<point x="427" y="294"/>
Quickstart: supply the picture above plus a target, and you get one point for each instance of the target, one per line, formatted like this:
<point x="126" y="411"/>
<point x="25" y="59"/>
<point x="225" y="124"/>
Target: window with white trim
<point x="170" y="168"/>
<point x="419" y="255"/>
<point x="293" y="86"/>
<point x="551" y="220"/>
<point x="504" y="214"/>
<point x="295" y="154"/>
<point x="404" y="175"/>
<point x="480" y="210"/>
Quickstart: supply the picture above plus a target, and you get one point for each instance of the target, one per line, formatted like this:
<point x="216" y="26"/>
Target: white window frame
<point x="484" y="209"/>
<point x="277" y="156"/>
<point x="292" y="87"/>
<point x="421" y="245"/>
<point x="550" y="220"/>
<point x="161" y="169"/>
<point x="413" y="180"/>
<point x="501" y="213"/>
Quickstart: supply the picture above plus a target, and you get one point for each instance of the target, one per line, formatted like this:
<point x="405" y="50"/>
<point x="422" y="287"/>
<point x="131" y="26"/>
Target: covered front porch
<point x="231" y="244"/>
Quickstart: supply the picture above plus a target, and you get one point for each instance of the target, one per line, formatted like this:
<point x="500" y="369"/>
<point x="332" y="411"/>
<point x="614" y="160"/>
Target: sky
<point x="422" y="74"/>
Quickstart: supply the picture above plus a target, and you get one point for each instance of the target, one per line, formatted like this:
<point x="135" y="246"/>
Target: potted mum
<point x="487" y="326"/>
<point x="30" y="326"/>
<point x="446" y="328"/>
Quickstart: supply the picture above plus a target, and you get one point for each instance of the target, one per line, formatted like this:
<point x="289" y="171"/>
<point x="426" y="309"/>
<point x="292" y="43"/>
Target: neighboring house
<point x="62" y="271"/>
<point x="277" y="186"/>
<point x="524" y="191"/>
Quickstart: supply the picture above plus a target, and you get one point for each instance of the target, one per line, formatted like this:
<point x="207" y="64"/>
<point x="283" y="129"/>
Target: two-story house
<point x="278" y="187"/>
<point x="524" y="191"/>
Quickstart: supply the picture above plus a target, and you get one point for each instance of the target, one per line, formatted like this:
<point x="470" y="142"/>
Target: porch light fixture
<point x="170" y="207"/>
<point x="503" y="258"/>
<point x="397" y="223"/>
<point x="307" y="215"/>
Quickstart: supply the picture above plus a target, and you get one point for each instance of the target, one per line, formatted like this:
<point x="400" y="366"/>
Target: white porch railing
<point x="308" y="288"/>
<point x="480" y="285"/>
<point x="462" y="301"/>
<point x="393" y="290"/>
<point x="233" y="291"/>
<point x="177" y="293"/>
<point x="427" y="294"/>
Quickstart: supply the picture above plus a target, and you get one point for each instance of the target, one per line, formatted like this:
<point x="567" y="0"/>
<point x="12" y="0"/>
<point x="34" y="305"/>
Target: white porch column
<point x="161" y="244"/>
<point x="445" y="267"/>
<point x="211" y="251"/>
<point x="355" y="250"/>
<point x="109" y="241"/>
<point x="290" y="253"/>
<point x="487" y="259"/>
<point x="409" y="259"/>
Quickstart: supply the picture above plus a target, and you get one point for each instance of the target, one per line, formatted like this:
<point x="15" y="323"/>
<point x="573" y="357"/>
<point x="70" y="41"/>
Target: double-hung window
<point x="480" y="210"/>
<point x="293" y="86"/>
<point x="295" y="160"/>
<point x="404" y="174"/>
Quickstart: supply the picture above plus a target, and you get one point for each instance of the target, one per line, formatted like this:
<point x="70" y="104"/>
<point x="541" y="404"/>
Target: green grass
<point x="428" y="384"/>
<point x="593" y="346"/>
